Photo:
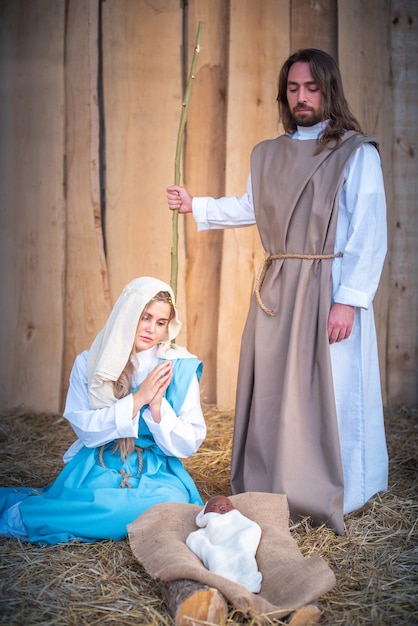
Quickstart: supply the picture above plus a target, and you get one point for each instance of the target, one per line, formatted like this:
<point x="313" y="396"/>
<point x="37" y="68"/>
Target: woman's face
<point x="153" y="325"/>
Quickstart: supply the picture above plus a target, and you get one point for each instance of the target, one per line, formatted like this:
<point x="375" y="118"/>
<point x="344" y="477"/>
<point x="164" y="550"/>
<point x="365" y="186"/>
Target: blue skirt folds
<point x="97" y="494"/>
<point x="89" y="502"/>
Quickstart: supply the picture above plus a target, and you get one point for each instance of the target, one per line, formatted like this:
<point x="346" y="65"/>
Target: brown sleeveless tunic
<point x="286" y="434"/>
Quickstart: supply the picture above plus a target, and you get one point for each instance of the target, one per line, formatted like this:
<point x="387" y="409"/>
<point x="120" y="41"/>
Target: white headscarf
<point x="112" y="347"/>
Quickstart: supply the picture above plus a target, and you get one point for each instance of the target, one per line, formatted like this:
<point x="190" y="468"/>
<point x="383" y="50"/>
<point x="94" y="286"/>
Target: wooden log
<point x="191" y="603"/>
<point x="305" y="616"/>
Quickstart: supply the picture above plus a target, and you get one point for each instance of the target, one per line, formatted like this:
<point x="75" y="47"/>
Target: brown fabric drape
<point x="157" y="539"/>
<point x="286" y="433"/>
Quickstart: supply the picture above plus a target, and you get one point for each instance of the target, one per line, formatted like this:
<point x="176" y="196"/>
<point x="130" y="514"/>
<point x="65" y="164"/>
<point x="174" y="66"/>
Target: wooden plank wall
<point x="204" y="173"/>
<point x="32" y="208"/>
<point x="361" y="60"/>
<point x="142" y="104"/>
<point x="252" y="117"/>
<point x="86" y="295"/>
<point x="85" y="163"/>
<point x="402" y="364"/>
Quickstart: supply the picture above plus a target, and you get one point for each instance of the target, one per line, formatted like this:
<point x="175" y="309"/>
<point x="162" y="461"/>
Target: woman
<point x="134" y="404"/>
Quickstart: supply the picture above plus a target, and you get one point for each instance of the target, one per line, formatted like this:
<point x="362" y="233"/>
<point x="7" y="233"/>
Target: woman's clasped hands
<point x="153" y="388"/>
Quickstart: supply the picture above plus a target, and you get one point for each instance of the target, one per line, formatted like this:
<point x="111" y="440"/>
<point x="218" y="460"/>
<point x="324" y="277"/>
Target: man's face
<point x="303" y="95"/>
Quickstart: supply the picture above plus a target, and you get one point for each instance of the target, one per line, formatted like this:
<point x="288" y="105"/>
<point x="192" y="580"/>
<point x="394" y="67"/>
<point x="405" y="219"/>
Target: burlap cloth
<point x="157" y="539"/>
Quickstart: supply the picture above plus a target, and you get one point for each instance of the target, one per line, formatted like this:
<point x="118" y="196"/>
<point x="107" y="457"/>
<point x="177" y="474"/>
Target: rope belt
<point x="125" y="475"/>
<point x="268" y="258"/>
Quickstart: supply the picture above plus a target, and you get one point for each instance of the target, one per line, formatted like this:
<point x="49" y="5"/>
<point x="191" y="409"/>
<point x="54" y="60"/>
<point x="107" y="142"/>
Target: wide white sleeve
<point x="228" y="212"/>
<point x="95" y="427"/>
<point x="361" y="230"/>
<point x="182" y="434"/>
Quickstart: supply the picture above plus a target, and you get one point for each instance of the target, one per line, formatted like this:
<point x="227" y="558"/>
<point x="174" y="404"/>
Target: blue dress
<point x="96" y="495"/>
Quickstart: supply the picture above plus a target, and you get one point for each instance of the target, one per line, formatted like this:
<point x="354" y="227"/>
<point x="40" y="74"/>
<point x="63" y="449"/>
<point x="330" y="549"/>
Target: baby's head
<point x="218" y="504"/>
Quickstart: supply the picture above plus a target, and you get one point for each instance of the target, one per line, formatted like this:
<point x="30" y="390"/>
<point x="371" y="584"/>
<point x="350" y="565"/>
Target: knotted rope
<point x="268" y="258"/>
<point x="125" y="475"/>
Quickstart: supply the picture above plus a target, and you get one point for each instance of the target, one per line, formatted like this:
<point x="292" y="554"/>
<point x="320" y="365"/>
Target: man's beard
<point x="306" y="119"/>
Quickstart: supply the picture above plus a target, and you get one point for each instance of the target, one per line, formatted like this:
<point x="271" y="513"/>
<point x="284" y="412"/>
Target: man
<point x="309" y="417"/>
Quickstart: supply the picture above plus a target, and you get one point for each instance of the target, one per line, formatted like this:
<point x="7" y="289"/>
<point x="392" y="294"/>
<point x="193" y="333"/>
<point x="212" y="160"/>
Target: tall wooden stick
<point x="177" y="176"/>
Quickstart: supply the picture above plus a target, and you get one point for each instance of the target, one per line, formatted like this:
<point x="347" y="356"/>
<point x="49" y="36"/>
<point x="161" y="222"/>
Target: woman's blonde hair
<point x="123" y="385"/>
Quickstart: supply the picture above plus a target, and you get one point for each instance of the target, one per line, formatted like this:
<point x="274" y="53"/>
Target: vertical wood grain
<point x="32" y="204"/>
<point x="403" y="301"/>
<point x="314" y="25"/>
<point x="204" y="174"/>
<point x="142" y="105"/>
<point x="54" y="293"/>
<point x="364" y="60"/>
<point x="254" y="64"/>
<point x="87" y="302"/>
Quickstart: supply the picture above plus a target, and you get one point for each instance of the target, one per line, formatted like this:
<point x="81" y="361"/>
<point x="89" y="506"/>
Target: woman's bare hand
<point x="152" y="389"/>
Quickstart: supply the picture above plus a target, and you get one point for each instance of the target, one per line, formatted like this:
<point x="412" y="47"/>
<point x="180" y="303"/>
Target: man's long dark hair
<point x="335" y="108"/>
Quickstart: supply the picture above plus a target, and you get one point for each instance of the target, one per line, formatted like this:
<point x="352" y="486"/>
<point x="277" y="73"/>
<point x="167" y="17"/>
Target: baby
<point x="227" y="542"/>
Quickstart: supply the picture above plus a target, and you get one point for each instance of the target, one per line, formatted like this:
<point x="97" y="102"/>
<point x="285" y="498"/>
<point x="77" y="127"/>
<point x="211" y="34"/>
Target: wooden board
<point x="254" y="64"/>
<point x="402" y="374"/>
<point x="142" y="95"/>
<point x="314" y="25"/>
<point x="87" y="301"/>
<point x="32" y="236"/>
<point x="204" y="174"/>
<point x="364" y="55"/>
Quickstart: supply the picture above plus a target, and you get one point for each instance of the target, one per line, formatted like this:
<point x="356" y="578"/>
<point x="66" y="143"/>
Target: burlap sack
<point x="157" y="539"/>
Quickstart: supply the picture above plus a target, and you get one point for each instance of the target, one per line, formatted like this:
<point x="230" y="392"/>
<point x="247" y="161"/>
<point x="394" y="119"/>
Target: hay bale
<point x="375" y="563"/>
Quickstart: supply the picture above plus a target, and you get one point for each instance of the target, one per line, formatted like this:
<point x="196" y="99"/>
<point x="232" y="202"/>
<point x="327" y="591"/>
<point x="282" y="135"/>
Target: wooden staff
<point x="177" y="176"/>
<point x="189" y="600"/>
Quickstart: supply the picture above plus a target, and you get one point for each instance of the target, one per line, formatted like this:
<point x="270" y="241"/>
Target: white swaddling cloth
<point x="226" y="544"/>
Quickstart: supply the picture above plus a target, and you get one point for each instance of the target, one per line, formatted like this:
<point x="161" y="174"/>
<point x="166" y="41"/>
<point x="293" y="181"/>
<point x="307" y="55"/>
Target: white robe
<point x="361" y="235"/>
<point x="226" y="544"/>
<point x="176" y="435"/>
